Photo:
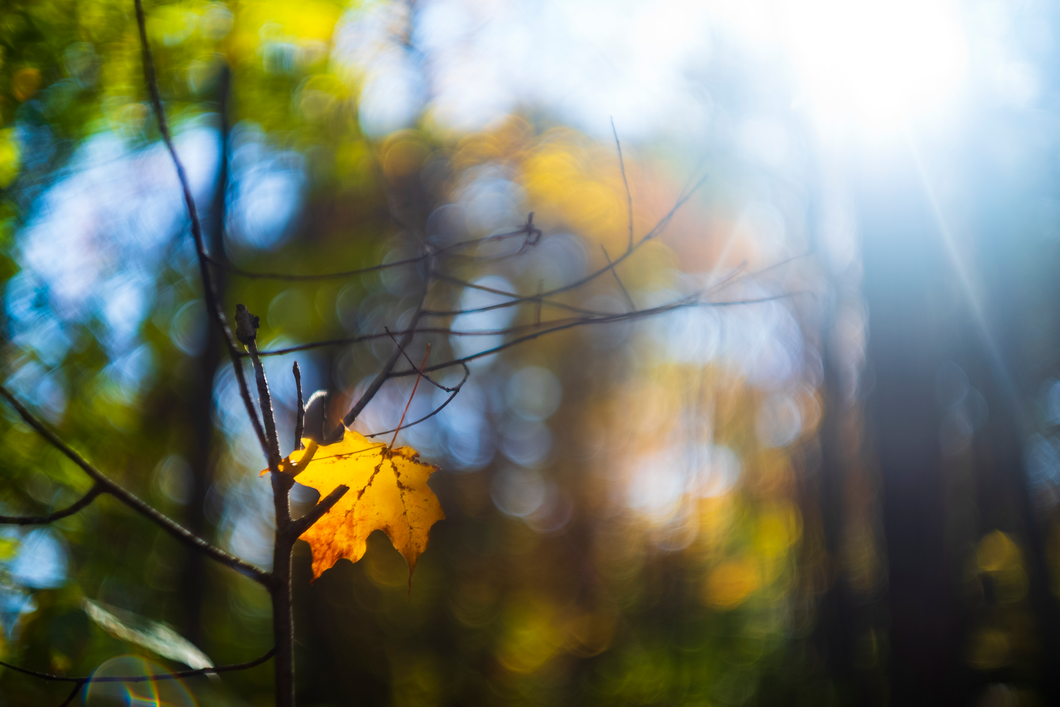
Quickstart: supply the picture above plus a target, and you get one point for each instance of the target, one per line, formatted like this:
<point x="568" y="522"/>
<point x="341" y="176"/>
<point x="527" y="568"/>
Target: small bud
<point x="246" y="325"/>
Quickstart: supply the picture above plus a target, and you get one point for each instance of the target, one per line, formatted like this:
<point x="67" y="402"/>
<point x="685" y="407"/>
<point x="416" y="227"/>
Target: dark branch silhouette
<point x="529" y="230"/>
<point x="209" y="290"/>
<point x="132" y="501"/>
<point x="80" y="682"/>
<point x="74" y="507"/>
<point x="455" y="391"/>
<point x="628" y="316"/>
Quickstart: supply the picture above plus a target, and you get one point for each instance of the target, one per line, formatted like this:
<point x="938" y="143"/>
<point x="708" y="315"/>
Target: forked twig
<point x="452" y="395"/>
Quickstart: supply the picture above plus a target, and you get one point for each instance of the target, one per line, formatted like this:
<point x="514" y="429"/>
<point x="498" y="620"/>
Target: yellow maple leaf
<point x="388" y="492"/>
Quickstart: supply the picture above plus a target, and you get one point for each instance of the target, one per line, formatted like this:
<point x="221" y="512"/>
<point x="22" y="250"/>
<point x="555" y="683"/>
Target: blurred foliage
<point x="636" y="544"/>
<point x="633" y="510"/>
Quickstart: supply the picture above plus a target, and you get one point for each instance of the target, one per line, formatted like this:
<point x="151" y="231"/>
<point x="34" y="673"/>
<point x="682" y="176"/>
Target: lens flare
<point x="145" y="693"/>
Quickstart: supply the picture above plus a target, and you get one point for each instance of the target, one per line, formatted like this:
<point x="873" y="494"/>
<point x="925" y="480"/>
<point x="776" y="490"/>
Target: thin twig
<point x="516" y="299"/>
<point x="591" y="317"/>
<point x="299" y="425"/>
<point x="628" y="316"/>
<point x="430" y="380"/>
<point x="73" y="694"/>
<point x="385" y="371"/>
<point x="247" y="332"/>
<point x="659" y="227"/>
<point x="83" y="502"/>
<point x="84" y="680"/>
<point x="629" y="197"/>
<point x="731" y="278"/>
<point x="452" y="395"/>
<point x="209" y="290"/>
<point x="532" y="233"/>
<point x="629" y="300"/>
<point x="128" y="498"/>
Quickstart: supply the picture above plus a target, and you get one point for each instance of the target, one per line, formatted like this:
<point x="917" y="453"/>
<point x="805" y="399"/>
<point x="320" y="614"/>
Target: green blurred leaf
<point x="156" y="637"/>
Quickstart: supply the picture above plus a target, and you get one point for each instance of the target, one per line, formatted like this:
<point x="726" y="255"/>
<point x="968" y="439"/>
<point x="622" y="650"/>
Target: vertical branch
<point x="286" y="534"/>
<point x="247" y="331"/>
<point x="213" y="303"/>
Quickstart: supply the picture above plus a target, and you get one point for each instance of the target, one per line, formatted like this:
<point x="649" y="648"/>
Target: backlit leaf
<point x="152" y="635"/>
<point x="388" y="492"/>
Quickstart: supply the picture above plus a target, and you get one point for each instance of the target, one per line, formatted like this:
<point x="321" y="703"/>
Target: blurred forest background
<point x="849" y="495"/>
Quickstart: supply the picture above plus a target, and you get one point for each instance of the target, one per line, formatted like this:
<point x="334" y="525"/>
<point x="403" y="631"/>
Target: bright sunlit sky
<point x="868" y="65"/>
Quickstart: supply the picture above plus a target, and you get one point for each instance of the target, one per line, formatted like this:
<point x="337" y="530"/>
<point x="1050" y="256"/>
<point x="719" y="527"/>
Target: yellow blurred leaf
<point x="10" y="158"/>
<point x="388" y="492"/>
<point x="997" y="552"/>
<point x="731" y="583"/>
<point x="8" y="548"/>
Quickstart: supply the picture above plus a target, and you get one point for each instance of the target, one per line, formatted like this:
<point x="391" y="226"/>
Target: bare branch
<point x="516" y="299"/>
<point x="532" y="233"/>
<point x="73" y="694"/>
<point x="134" y="502"/>
<point x="729" y="279"/>
<point x="627" y="316"/>
<point x="209" y="289"/>
<point x="317" y="512"/>
<point x="540" y="297"/>
<point x="653" y="233"/>
<point x="83" y="502"/>
<point x="247" y="332"/>
<point x="629" y="197"/>
<point x="430" y="380"/>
